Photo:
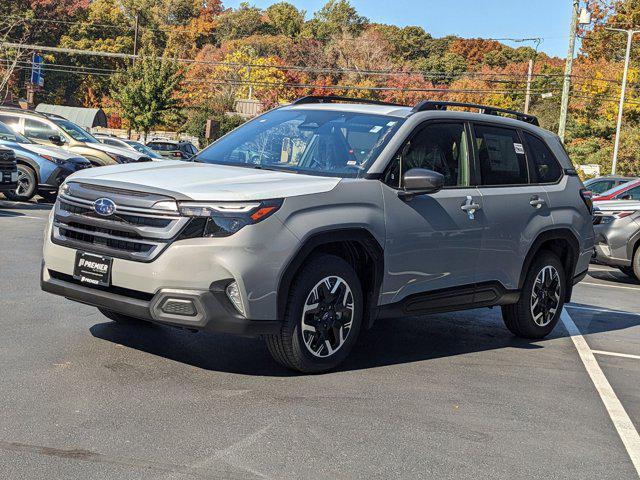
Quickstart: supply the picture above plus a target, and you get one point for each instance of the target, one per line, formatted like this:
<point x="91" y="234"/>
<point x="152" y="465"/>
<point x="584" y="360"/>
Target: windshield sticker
<point x="375" y="129"/>
<point x="519" y="148"/>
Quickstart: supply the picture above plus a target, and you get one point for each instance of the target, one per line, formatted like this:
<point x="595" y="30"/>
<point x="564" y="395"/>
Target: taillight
<point x="587" y="198"/>
<point x="177" y="154"/>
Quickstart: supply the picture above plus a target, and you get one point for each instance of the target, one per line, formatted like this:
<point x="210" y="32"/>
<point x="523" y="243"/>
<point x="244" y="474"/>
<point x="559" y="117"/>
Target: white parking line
<point x="603" y="310"/>
<point x="21" y="216"/>
<point x="627" y="431"/>
<point x="615" y="354"/>
<point x="609" y="286"/>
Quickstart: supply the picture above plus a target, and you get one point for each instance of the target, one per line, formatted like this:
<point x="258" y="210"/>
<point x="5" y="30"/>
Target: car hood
<point x="125" y="152"/>
<point x="201" y="181"/>
<point x="51" y="151"/>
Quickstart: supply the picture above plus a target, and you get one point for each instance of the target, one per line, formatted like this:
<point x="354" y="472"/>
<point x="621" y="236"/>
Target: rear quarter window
<point x="545" y="164"/>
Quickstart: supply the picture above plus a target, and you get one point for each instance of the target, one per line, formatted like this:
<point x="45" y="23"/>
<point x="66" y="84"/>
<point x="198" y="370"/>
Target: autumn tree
<point x="335" y="17"/>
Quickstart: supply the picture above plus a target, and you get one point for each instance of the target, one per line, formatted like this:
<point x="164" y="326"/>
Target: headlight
<point x="120" y="158"/>
<point x="57" y="161"/>
<point x="224" y="219"/>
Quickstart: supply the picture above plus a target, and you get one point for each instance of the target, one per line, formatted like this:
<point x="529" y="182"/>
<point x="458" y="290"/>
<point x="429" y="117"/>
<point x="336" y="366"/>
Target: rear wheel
<point x="537" y="312"/>
<point x="27" y="185"/>
<point x="322" y="319"/>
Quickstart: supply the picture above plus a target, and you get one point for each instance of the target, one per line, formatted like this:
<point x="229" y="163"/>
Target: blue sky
<point x="548" y="19"/>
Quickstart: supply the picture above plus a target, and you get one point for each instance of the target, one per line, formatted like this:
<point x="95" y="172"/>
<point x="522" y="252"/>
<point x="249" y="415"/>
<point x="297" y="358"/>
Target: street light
<point x="630" y="33"/>
<point x="578" y="17"/>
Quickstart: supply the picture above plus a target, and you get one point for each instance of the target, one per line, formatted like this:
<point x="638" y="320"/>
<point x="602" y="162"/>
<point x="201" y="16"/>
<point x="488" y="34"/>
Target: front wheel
<point x="322" y="319"/>
<point x="538" y="310"/>
<point x="27" y="185"/>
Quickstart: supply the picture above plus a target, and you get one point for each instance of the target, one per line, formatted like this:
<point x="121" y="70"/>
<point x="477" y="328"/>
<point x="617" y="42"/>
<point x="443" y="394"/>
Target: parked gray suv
<point x="617" y="229"/>
<point x="311" y="222"/>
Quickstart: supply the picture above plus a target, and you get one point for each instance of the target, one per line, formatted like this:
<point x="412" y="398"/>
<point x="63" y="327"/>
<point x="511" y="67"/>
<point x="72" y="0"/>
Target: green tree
<point x="285" y="19"/>
<point x="146" y="93"/>
<point x="240" y="23"/>
<point x="337" y="16"/>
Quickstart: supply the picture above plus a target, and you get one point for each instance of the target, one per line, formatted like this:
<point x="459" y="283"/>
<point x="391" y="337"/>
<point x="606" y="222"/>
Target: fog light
<point x="233" y="292"/>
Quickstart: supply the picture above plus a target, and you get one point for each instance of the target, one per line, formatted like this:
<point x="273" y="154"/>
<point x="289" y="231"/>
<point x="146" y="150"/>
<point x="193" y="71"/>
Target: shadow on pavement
<point x="613" y="276"/>
<point x="7" y="205"/>
<point x="391" y="342"/>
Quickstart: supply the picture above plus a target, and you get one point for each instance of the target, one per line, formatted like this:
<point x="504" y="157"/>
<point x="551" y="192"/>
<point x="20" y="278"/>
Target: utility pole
<point x="135" y="39"/>
<point x="630" y="33"/>
<point x="566" y="87"/>
<point x="527" y="100"/>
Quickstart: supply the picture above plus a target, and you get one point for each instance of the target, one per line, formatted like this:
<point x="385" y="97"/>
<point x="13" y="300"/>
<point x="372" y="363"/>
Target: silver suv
<point x="617" y="228"/>
<point x="314" y="220"/>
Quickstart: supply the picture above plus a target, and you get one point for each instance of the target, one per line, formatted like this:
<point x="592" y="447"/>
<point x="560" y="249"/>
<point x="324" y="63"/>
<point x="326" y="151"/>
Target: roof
<point x="392" y="110"/>
<point x="85" y="117"/>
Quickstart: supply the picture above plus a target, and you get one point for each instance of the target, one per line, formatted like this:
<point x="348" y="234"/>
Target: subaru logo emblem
<point x="104" y="207"/>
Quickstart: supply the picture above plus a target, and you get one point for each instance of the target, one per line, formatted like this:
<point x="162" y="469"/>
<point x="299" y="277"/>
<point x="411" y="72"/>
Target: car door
<point x="39" y="131"/>
<point x="515" y="210"/>
<point x="432" y="243"/>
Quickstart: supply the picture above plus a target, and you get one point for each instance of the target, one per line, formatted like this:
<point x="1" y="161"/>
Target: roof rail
<point x="336" y="98"/>
<point x="430" y="105"/>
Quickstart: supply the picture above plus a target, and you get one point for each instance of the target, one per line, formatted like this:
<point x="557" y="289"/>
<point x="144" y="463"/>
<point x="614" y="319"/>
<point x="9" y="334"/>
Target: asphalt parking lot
<point x="448" y="397"/>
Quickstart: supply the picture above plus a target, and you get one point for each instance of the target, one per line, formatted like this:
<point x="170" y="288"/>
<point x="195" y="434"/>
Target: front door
<point x="432" y="243"/>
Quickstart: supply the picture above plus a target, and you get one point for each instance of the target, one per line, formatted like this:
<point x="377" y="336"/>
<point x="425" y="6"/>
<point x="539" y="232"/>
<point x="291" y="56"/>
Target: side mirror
<point x="626" y="197"/>
<point x="420" y="181"/>
<point x="56" y="140"/>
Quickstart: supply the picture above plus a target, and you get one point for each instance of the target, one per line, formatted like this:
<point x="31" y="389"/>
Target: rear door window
<point x="633" y="194"/>
<point x="501" y="156"/>
<point x="546" y="166"/>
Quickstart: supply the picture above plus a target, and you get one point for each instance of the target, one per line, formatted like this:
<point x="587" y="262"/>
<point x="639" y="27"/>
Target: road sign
<point x="37" y="74"/>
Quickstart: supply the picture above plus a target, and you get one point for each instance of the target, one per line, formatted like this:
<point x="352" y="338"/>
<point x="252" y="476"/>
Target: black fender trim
<point x="569" y="263"/>
<point x="359" y="235"/>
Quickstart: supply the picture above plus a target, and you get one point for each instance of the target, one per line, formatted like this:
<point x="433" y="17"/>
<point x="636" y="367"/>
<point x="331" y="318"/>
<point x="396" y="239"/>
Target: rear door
<point x="432" y="243"/>
<point x="514" y="208"/>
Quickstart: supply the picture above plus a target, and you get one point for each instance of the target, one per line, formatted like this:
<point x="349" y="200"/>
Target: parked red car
<point x="626" y="191"/>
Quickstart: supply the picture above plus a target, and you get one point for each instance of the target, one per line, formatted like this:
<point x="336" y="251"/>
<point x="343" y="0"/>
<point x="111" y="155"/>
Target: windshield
<point x="77" y="133"/>
<point x="10" y="136"/>
<point x="316" y="142"/>
<point x="142" y="149"/>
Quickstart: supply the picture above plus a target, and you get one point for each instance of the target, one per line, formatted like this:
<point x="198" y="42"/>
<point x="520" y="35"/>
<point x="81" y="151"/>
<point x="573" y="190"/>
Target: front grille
<point x="7" y="161"/>
<point x="135" y="231"/>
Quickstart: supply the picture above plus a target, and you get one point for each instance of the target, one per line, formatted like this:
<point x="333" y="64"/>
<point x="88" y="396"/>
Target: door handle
<point x="470" y="207"/>
<point x="537" y="202"/>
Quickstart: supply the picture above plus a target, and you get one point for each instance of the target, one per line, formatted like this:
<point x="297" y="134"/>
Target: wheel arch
<point x="561" y="241"/>
<point x="350" y="244"/>
<point x="29" y="162"/>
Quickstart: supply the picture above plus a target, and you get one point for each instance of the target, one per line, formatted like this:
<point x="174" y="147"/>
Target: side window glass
<point x="546" y="165"/>
<point x="633" y="194"/>
<point x="501" y="156"/>
<point x="441" y="147"/>
<point x="601" y="187"/>
<point x="38" y="130"/>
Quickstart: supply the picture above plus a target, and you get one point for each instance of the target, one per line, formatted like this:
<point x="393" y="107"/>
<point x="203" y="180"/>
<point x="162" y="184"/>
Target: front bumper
<point x="209" y="310"/>
<point x="52" y="179"/>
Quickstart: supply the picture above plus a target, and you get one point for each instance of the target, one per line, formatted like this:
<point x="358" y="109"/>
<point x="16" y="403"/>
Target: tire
<point x="303" y="333"/>
<point x="520" y="318"/>
<point x="628" y="271"/>
<point x="635" y="265"/>
<point x="27" y="185"/>
<point x="119" y="317"/>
